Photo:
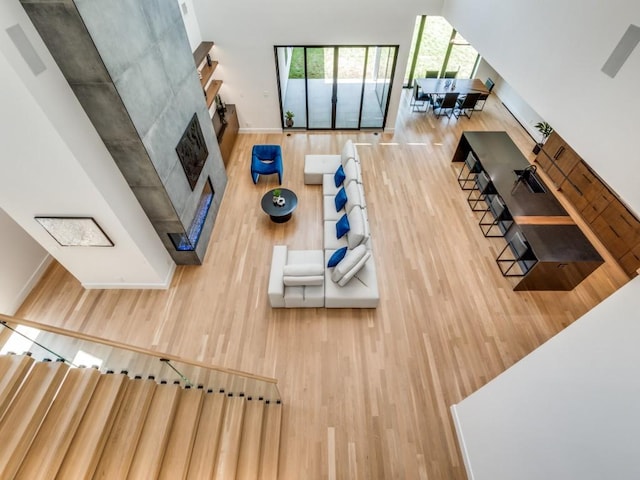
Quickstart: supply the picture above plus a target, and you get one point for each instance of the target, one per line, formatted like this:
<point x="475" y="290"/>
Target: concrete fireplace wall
<point x="130" y="65"/>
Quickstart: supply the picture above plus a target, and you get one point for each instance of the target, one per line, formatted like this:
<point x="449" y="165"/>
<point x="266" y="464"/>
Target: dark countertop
<point x="559" y="243"/>
<point x="499" y="157"/>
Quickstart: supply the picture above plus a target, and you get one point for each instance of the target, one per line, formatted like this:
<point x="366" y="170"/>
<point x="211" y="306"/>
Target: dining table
<point x="440" y="86"/>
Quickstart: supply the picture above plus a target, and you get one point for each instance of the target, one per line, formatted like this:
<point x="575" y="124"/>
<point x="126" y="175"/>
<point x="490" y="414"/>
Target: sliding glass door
<point x="337" y="87"/>
<point x="319" y="65"/>
<point x="348" y="86"/>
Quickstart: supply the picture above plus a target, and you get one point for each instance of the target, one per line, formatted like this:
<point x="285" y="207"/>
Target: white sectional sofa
<point x="352" y="283"/>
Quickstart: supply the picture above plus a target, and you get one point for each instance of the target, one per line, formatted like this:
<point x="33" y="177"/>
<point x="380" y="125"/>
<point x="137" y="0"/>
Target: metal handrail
<point x="60" y="357"/>
<point x="236" y="377"/>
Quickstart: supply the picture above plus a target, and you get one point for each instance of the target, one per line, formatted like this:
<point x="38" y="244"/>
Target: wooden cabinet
<point x="630" y="262"/>
<point x="227" y="132"/>
<point x="581" y="187"/>
<point x="600" y="201"/>
<point x="557" y="158"/>
<point x="616" y="227"/>
<point x="206" y="67"/>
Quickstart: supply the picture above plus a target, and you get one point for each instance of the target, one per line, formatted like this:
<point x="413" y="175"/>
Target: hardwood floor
<point x="366" y="392"/>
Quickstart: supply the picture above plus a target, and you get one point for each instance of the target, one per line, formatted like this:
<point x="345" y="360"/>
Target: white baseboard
<point x="260" y="130"/>
<point x="30" y="283"/>
<point x="166" y="283"/>
<point x="463" y="446"/>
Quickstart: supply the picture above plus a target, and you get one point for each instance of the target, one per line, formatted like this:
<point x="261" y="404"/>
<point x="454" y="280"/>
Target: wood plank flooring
<point x="366" y="392"/>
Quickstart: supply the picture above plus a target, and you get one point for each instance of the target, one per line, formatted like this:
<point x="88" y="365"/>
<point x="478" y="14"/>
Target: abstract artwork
<point x="75" y="231"/>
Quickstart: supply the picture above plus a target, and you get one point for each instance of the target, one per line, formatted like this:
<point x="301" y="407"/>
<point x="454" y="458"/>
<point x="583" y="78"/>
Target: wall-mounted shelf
<point x="227" y="126"/>
<point x="207" y="71"/>
<point x="212" y="90"/>
<point x="206" y="67"/>
<point x="201" y="52"/>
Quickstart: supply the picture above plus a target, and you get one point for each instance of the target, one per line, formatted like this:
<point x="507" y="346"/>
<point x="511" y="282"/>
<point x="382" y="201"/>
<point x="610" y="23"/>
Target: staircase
<point x="58" y="422"/>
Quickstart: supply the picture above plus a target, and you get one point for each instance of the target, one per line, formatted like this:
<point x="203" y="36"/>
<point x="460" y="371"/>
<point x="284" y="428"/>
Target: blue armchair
<point x="265" y="160"/>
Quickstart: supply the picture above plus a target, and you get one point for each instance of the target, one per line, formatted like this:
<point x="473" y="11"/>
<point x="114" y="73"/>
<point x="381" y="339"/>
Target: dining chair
<point x="419" y="99"/>
<point x="448" y="102"/>
<point x="483" y="96"/>
<point x="432" y="74"/>
<point x="466" y="104"/>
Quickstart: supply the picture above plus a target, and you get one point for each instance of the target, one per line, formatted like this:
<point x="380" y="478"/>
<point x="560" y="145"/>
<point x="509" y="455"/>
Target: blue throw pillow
<point x="342" y="226"/>
<point x="341" y="199"/>
<point x="337" y="256"/>
<point x="339" y="176"/>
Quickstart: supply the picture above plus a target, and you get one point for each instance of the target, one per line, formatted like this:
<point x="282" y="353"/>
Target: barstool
<point x="473" y="168"/>
<point x="501" y="217"/>
<point x="485" y="190"/>
<point x="522" y="255"/>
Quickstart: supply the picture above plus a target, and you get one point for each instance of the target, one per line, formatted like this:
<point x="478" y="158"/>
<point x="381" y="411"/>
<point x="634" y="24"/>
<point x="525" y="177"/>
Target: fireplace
<point x="187" y="241"/>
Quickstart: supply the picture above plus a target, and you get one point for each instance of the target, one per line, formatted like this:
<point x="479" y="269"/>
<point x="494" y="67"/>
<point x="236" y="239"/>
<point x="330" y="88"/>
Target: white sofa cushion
<point x="348" y="151"/>
<point x="360" y="292"/>
<point x="355" y="196"/>
<point x="302" y="270"/>
<point x="328" y="185"/>
<point x="358" y="233"/>
<point x="315" y="166"/>
<point x="297" y="281"/>
<point x="330" y="240"/>
<point x="350" y="171"/>
<point x="276" y="286"/>
<point x="346" y="265"/>
<point x="329" y="209"/>
<point x="355" y="269"/>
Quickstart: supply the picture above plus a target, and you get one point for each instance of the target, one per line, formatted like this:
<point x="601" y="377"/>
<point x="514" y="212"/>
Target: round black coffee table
<point x="279" y="214"/>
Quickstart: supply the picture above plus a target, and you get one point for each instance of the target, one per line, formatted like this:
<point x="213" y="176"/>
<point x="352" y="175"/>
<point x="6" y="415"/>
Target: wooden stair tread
<point x="249" y="456"/>
<point x="183" y="433"/>
<point x="230" y="436"/>
<point x="270" y="452"/>
<point x="120" y="445"/>
<point x="155" y="433"/>
<point x="59" y="425"/>
<point x="25" y="413"/>
<point x="5" y="334"/>
<point x="205" y="446"/>
<point x="13" y="369"/>
<point x="86" y="448"/>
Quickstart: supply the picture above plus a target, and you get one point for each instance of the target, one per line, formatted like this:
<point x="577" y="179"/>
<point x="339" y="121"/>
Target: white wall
<point x="190" y="23"/>
<point x="246" y="34"/>
<point x="54" y="163"/>
<point x="569" y="410"/>
<point x="518" y="107"/>
<point x="551" y="53"/>
<point x="23" y="262"/>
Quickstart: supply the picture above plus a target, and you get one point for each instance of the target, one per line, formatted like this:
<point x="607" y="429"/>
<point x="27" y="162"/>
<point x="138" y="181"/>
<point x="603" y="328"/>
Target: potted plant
<point x="545" y="130"/>
<point x="288" y="115"/>
<point x="277" y="198"/>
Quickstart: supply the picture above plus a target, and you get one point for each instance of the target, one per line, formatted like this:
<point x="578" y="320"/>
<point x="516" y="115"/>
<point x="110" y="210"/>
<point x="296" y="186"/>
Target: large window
<point x="437" y="46"/>
<point x="335" y="87"/>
